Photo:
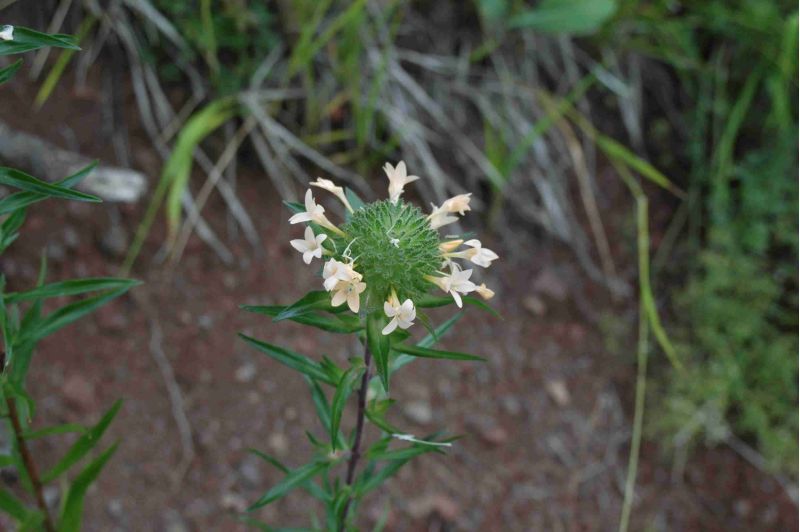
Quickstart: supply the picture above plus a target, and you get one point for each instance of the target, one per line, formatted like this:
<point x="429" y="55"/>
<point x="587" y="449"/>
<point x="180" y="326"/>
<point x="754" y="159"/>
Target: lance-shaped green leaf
<point x="39" y="328"/>
<point x="379" y="345"/>
<point x="315" y="300"/>
<point x="8" y="72"/>
<point x="344" y="324"/>
<point x="72" y="513"/>
<point x="343" y="390"/>
<point x="404" y="453"/>
<point x="429" y="301"/>
<point x="18" y="200"/>
<point x="86" y="442"/>
<point x="565" y="16"/>
<point x="424" y="352"/>
<point x="66" y="428"/>
<point x="12" y="506"/>
<point x="295" y="478"/>
<point x="324" y="410"/>
<point x="9" y="229"/>
<point x="271" y="460"/>
<point x="17" y="179"/>
<point x="71" y="288"/>
<point x="376" y="413"/>
<point x="314" y="489"/>
<point x="25" y="40"/>
<point x="369" y="483"/>
<point x="439" y="331"/>
<point x="291" y="359"/>
<point x="355" y="201"/>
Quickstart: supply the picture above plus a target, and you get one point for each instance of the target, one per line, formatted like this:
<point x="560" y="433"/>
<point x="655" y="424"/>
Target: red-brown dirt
<point x="545" y="421"/>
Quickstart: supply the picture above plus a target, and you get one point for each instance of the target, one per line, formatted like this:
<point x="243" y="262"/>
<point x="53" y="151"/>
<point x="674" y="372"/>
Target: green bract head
<point x="393" y="247"/>
<point x="388" y="253"/>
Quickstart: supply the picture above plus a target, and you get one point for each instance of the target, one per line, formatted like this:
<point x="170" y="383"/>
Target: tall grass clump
<point x="731" y="248"/>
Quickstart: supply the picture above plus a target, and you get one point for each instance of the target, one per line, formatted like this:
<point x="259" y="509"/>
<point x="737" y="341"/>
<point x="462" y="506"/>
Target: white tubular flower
<point x="440" y="217"/>
<point x="402" y="315"/>
<point x="327" y="184"/>
<point x="484" y="291"/>
<point x="397" y="179"/>
<point x="314" y="213"/>
<point x="456" y="283"/>
<point x="458" y="204"/>
<point x="444" y="215"/>
<point x="334" y="272"/>
<point x="7" y="33"/>
<point x="310" y="246"/>
<point x="449" y="247"/>
<point x="349" y="291"/>
<point x="477" y="255"/>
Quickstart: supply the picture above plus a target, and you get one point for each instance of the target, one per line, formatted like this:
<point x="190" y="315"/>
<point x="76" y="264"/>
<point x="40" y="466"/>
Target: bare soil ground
<point x="545" y="422"/>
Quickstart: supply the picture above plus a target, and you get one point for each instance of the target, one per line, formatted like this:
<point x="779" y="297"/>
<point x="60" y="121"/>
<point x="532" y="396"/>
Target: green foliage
<point x="565" y="16"/>
<point x="23" y="324"/>
<point x="231" y="36"/>
<point x="740" y="310"/>
<point x="736" y="317"/>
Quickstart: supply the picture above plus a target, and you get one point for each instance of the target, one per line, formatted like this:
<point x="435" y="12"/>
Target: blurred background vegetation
<point x="540" y="106"/>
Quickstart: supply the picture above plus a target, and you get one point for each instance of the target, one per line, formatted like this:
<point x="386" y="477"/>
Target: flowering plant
<point x="378" y="268"/>
<point x="24" y="323"/>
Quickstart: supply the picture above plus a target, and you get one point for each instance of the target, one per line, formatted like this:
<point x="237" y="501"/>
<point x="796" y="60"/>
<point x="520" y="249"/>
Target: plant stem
<point x="30" y="465"/>
<point x="355" y="451"/>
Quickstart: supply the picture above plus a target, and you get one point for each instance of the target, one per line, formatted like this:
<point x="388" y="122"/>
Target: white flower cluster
<point x="346" y="284"/>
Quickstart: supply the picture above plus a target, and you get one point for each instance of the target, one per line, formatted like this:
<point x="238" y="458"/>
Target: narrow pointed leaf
<point x="379" y="345"/>
<point x="424" y="352"/>
<point x="26" y="40"/>
<point x="291" y="359"/>
<point x="441" y="301"/>
<point x="343" y="390"/>
<point x="355" y="201"/>
<point x="324" y="411"/>
<point x="40" y="328"/>
<point x="71" y="288"/>
<point x="294" y="479"/>
<point x="12" y="506"/>
<point x="336" y="324"/>
<point x="86" y="442"/>
<point x="270" y="460"/>
<point x="17" y="179"/>
<point x="439" y="331"/>
<point x="404" y="453"/>
<point x="8" y="72"/>
<point x="72" y="513"/>
<point x="67" y="428"/>
<point x="316" y="300"/>
<point x="18" y="200"/>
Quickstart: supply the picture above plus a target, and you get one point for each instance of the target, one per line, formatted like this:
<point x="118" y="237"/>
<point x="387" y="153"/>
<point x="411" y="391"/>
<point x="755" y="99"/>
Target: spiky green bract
<point x="393" y="246"/>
